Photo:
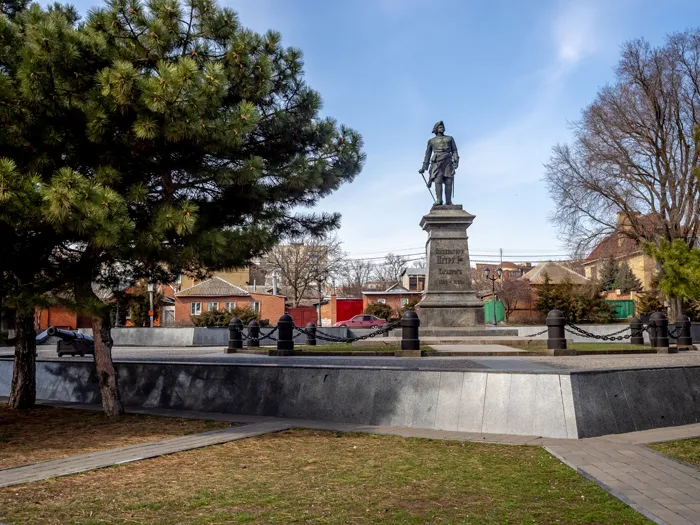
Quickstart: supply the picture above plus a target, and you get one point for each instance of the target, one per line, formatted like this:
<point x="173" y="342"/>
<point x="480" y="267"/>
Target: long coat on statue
<point x="441" y="155"/>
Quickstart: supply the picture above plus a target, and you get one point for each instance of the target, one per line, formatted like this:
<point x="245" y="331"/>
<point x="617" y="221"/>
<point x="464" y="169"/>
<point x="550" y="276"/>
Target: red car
<point x="362" y="321"/>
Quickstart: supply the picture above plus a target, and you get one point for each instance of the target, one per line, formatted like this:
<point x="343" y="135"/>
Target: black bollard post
<point x="311" y="334"/>
<point x="653" y="330"/>
<point x="285" y="340"/>
<point x="410" y="323"/>
<point x="235" y="336"/>
<point x="253" y="334"/>
<point x="661" y="324"/>
<point x="556" y="337"/>
<point x="636" y="328"/>
<point x="684" y="339"/>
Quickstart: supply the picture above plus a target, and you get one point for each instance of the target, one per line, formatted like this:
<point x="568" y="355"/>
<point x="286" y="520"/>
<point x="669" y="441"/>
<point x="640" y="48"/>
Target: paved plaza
<point x="522" y="362"/>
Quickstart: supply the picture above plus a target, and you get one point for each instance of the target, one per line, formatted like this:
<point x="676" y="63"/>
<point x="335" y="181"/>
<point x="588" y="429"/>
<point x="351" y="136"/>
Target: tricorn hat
<point x="435" y="127"/>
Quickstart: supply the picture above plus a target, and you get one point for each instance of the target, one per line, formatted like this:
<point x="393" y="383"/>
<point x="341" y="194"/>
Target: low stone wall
<point x="214" y="336"/>
<point x="559" y="405"/>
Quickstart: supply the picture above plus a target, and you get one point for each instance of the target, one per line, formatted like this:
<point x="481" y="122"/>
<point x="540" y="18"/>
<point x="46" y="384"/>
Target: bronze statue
<point x="443" y="159"/>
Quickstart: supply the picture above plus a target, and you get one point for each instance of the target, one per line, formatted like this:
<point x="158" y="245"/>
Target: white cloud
<point x="574" y="31"/>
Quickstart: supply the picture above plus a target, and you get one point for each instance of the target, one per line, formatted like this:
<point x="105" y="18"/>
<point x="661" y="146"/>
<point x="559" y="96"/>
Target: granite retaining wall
<point x="177" y="337"/>
<point x="559" y="405"/>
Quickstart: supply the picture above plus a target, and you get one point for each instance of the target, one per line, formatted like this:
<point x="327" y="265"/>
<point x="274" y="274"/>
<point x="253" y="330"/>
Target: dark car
<point x="362" y="321"/>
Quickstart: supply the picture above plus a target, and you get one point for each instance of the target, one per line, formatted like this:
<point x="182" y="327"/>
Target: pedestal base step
<point x="483" y="331"/>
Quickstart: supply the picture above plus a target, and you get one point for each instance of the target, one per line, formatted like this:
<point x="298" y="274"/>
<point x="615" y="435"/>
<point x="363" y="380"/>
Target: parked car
<point x="362" y="321"/>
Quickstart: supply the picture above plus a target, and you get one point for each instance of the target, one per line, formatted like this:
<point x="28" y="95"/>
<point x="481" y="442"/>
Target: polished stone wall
<point x="558" y="405"/>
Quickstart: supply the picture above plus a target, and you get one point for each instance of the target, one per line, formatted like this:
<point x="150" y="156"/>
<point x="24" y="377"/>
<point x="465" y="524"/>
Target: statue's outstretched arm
<point x="455" y="155"/>
<point x="426" y="160"/>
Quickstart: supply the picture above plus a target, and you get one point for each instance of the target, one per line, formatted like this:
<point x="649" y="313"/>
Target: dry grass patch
<point x="45" y="433"/>
<point x="324" y="478"/>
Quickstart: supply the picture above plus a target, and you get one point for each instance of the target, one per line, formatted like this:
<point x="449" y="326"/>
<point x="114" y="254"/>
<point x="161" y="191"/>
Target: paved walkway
<point x="117" y="456"/>
<point x="664" y="490"/>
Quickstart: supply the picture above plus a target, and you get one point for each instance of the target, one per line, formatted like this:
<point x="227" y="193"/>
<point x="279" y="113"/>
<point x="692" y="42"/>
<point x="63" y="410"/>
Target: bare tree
<point x="513" y="292"/>
<point x="305" y="265"/>
<point x="356" y="274"/>
<point x="389" y="272"/>
<point x="631" y="168"/>
<point x="419" y="263"/>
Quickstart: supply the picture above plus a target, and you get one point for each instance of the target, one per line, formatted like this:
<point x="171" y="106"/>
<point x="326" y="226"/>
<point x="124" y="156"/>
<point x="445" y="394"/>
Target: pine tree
<point x="166" y="138"/>
<point x="626" y="281"/>
<point x="546" y="293"/>
<point x="608" y="274"/>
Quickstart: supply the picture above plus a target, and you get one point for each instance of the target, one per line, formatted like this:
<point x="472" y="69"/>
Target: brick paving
<point x="664" y="490"/>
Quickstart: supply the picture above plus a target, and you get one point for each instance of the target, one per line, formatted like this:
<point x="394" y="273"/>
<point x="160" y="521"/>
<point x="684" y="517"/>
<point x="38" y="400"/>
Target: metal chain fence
<point x="245" y="337"/>
<point x="335" y="339"/>
<point x="577" y="330"/>
<point x="538" y="333"/>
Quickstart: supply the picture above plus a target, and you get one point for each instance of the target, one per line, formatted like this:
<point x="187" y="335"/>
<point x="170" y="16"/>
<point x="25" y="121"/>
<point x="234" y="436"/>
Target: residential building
<point x="395" y="296"/>
<point x="557" y="272"/>
<point x="623" y="249"/>
<point x="248" y="275"/>
<point x="218" y="294"/>
<point x="413" y="279"/>
<point x="524" y="306"/>
<point x="510" y="270"/>
<point x="335" y="309"/>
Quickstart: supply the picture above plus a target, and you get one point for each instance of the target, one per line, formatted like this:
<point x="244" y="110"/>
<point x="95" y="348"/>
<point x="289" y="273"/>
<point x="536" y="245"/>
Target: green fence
<point x="488" y="312"/>
<point x="623" y="309"/>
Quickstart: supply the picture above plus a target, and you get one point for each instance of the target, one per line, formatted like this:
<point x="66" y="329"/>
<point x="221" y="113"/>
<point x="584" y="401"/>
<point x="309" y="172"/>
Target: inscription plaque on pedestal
<point x="449" y="300"/>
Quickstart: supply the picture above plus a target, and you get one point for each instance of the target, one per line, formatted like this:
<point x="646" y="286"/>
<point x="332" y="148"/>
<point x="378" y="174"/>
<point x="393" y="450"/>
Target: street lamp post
<point x="499" y="273"/>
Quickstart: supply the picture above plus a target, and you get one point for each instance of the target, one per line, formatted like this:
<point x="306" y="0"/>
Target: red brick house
<point x="395" y="296"/>
<point x="218" y="294"/>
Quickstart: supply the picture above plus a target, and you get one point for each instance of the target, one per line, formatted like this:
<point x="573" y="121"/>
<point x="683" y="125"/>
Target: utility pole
<point x="150" y="302"/>
<point x="501" y="250"/>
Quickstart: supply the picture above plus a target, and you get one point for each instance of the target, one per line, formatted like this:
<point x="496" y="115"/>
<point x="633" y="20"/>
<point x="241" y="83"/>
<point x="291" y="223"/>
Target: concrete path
<point x="117" y="456"/>
<point x="664" y="490"/>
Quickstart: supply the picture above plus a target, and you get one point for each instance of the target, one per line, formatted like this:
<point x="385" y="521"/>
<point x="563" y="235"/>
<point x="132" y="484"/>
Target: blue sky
<point x="506" y="77"/>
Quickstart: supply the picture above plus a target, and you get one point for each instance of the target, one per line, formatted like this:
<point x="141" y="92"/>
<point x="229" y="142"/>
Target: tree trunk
<point x="109" y="388"/>
<point x="23" y="392"/>
<point x="675" y="309"/>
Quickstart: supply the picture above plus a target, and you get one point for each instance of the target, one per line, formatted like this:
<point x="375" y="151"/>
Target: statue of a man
<point x="443" y="159"/>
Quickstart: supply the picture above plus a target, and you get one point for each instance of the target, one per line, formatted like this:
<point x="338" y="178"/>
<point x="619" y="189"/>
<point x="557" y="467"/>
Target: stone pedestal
<point x="449" y="300"/>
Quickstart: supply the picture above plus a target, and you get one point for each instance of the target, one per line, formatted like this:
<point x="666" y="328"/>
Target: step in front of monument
<point x="482" y="331"/>
<point x="518" y="342"/>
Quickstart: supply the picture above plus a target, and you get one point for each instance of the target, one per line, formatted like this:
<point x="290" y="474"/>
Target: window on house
<point x="195" y="308"/>
<point x="381" y="301"/>
<point x="255" y="306"/>
<point x="212" y="306"/>
<point x="230" y="306"/>
<point x="404" y="301"/>
<point x="413" y="283"/>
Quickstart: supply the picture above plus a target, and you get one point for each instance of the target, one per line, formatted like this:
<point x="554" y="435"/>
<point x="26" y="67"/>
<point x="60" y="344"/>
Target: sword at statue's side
<point x="427" y="186"/>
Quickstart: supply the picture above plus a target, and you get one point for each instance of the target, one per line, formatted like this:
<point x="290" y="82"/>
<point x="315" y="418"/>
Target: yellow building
<point x="238" y="277"/>
<point x="623" y="250"/>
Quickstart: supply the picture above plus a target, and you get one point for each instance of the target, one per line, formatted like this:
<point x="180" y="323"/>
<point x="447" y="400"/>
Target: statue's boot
<point x="438" y="193"/>
<point x="448" y="190"/>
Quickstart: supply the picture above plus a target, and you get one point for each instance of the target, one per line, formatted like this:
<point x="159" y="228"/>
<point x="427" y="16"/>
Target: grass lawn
<point x="687" y="450"/>
<point x="46" y="433"/>
<point x="305" y="476"/>
<point x="591" y="347"/>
